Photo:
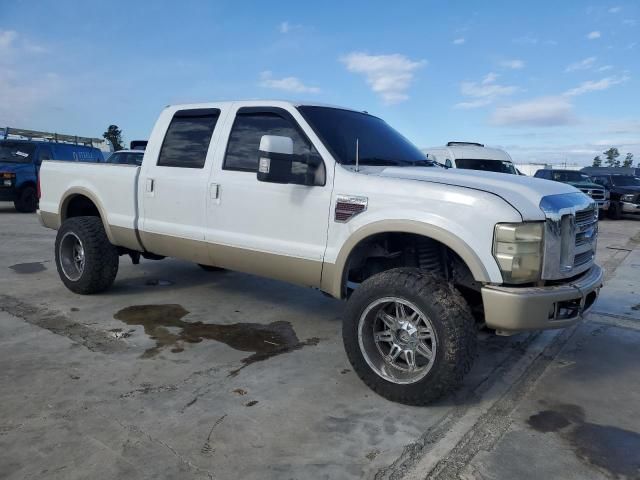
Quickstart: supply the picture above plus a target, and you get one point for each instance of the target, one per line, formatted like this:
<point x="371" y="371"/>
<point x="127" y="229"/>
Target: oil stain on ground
<point x="164" y="324"/>
<point x="612" y="449"/>
<point x="31" y="267"/>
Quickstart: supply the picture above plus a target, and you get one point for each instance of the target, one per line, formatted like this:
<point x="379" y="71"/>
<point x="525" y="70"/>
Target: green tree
<point x="597" y="161"/>
<point x="114" y="135"/>
<point x="628" y="160"/>
<point x="612" y="157"/>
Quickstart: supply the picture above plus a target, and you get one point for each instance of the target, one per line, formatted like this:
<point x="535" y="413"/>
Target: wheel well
<point x="384" y="251"/>
<point x="80" y="206"/>
<point x="26" y="184"/>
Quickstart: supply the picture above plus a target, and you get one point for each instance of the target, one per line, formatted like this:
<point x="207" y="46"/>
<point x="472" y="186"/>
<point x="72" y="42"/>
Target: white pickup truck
<point x="337" y="200"/>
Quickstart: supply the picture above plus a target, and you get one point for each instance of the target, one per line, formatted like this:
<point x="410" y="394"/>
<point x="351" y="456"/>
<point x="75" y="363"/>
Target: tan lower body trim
<point x="125" y="237"/>
<point x="280" y="267"/>
<point x="49" y="220"/>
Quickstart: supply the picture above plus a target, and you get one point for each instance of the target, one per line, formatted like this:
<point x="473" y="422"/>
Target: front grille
<point x="571" y="233"/>
<point x="582" y="258"/>
<point x="595" y="193"/>
<point x="584" y="217"/>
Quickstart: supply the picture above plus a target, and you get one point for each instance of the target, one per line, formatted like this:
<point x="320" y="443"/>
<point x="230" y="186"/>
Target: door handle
<point x="214" y="191"/>
<point x="150" y="185"/>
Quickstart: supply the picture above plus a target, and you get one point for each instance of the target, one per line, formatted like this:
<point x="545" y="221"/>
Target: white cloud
<point x="593" y="35"/>
<point x="526" y="40"/>
<point x="514" y="64"/>
<point x="284" y="27"/>
<point x="615" y="9"/>
<point x="593" y="86"/>
<point x="7" y="39"/>
<point x="389" y="76"/>
<point x="287" y="84"/>
<point x="21" y="96"/>
<point x="585" y="64"/>
<point x="484" y="92"/>
<point x="459" y="41"/>
<point x="540" y="112"/>
<point x="604" y="68"/>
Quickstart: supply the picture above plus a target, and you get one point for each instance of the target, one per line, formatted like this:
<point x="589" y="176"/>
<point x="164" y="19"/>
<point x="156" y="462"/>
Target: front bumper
<point x="7" y="194"/>
<point x="603" y="204"/>
<point x="511" y="309"/>
<point x="628" y="207"/>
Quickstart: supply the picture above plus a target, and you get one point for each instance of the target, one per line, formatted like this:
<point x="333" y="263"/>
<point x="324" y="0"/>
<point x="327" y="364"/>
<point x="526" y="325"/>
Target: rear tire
<point x="87" y="262"/>
<point x="415" y="313"/>
<point x="615" y="211"/>
<point x="27" y="201"/>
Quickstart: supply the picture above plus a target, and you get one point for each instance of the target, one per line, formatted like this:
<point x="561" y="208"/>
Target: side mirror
<point x="448" y="164"/>
<point x="275" y="161"/>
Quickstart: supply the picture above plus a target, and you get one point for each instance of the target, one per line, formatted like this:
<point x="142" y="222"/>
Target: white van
<point x="472" y="156"/>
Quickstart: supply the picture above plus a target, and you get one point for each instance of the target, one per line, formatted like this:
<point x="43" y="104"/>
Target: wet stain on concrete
<point x="32" y="267"/>
<point x="372" y="454"/>
<point x="548" y="421"/>
<point x="240" y="391"/>
<point x="164" y="324"/>
<point x="251" y="403"/>
<point x="612" y="449"/>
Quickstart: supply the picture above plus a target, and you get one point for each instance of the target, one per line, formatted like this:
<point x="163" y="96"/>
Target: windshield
<point x="570" y="177"/>
<point x="16" y="152"/>
<point x="378" y="143"/>
<point x="625" y="181"/>
<point x="500" y="166"/>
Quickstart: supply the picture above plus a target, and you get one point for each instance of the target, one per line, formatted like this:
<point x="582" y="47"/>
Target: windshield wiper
<point x="379" y="161"/>
<point x="396" y="163"/>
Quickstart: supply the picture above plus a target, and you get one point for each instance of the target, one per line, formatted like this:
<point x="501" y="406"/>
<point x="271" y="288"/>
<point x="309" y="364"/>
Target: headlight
<point x="628" y="198"/>
<point x="7" y="178"/>
<point x="517" y="247"/>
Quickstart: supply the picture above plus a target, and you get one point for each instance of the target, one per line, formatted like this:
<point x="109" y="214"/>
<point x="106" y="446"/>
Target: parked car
<point x="337" y="200"/>
<point x="472" y="156"/>
<point x="126" y="157"/>
<point x="624" y="191"/>
<point x="21" y="156"/>
<point x="579" y="180"/>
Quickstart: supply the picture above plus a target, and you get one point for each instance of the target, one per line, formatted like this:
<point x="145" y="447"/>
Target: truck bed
<point x="111" y="187"/>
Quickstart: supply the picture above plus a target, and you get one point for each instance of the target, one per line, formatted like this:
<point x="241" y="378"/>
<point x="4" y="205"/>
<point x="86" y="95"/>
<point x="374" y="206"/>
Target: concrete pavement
<point x="92" y="388"/>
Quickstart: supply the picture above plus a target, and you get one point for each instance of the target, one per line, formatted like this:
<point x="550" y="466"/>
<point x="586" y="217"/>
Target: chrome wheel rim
<point x="72" y="258"/>
<point x="397" y="340"/>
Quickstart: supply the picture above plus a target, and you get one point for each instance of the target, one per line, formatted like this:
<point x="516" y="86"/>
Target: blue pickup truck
<point x="22" y="152"/>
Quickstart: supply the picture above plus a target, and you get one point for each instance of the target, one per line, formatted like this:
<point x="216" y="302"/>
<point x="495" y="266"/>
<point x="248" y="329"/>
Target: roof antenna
<point x="357" y="154"/>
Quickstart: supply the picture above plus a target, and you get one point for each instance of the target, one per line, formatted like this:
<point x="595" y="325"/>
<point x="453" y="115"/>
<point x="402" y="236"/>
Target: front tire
<point x="87" y="262"/>
<point x="27" y="201"/>
<point x="409" y="335"/>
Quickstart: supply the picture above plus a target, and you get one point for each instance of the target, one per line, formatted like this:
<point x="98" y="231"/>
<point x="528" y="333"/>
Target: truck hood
<point x="586" y="185"/>
<point x="522" y="192"/>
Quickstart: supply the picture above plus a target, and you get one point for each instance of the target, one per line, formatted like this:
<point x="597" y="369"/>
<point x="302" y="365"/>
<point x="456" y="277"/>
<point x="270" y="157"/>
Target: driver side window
<point x="244" y="142"/>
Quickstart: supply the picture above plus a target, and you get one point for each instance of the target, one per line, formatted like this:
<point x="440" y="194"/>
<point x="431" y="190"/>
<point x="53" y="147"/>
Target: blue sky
<point x="548" y="81"/>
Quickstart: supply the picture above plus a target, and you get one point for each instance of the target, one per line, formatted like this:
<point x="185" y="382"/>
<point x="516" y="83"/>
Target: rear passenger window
<point x="244" y="141"/>
<point x="187" y="140"/>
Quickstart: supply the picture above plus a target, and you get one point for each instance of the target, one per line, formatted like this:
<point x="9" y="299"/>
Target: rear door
<point x="173" y="182"/>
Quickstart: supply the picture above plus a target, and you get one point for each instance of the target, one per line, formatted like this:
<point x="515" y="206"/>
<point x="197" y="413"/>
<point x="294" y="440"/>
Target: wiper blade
<point x="379" y="161"/>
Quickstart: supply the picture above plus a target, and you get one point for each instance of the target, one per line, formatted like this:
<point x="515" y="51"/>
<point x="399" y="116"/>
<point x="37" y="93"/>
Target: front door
<point x="275" y="230"/>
